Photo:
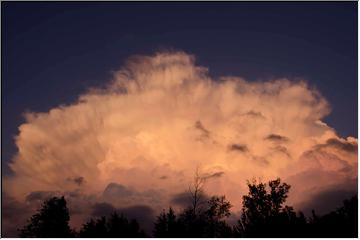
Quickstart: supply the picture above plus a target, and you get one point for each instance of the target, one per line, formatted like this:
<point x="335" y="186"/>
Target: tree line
<point x="264" y="214"/>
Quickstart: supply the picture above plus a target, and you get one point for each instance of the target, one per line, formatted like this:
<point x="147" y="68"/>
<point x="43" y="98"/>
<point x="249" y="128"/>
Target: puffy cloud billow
<point x="138" y="140"/>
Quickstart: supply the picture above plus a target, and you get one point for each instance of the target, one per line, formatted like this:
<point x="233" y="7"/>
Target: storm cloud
<point x="135" y="141"/>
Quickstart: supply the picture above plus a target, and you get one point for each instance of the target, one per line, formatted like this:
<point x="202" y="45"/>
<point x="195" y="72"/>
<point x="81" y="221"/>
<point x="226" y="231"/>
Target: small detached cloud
<point x="213" y="175"/>
<point x="255" y="114"/>
<point x="238" y="147"/>
<point x="77" y="180"/>
<point x="117" y="190"/>
<point x="276" y="138"/>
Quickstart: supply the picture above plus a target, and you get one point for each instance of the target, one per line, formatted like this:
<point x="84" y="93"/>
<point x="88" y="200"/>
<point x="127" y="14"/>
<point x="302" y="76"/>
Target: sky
<point x="95" y="93"/>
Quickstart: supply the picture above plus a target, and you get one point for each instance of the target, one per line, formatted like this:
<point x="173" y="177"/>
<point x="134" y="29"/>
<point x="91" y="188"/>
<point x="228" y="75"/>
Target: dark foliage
<point x="342" y="222"/>
<point x="264" y="214"/>
<point x="114" y="226"/>
<point x="167" y="225"/>
<point x="52" y="220"/>
<point x="209" y="221"/>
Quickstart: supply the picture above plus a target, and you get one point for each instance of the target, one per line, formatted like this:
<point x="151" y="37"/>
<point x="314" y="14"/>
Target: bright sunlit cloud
<point x="139" y="140"/>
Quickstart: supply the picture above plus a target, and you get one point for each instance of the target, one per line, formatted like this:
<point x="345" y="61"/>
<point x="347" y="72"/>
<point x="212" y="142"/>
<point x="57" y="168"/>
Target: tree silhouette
<point x="218" y="210"/>
<point x="52" y="220"/>
<point x="207" y="221"/>
<point x="204" y="217"/>
<point x="115" y="226"/>
<point x="94" y="228"/>
<point x="161" y="226"/>
<point x="197" y="193"/>
<point x="263" y="213"/>
<point x="166" y="225"/>
<point x="343" y="222"/>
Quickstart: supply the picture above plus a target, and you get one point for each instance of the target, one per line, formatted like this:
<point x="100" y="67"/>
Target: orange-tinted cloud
<point x="161" y="117"/>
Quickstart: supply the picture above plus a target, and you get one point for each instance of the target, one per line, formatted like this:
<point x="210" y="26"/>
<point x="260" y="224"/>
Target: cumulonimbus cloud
<point x="162" y="117"/>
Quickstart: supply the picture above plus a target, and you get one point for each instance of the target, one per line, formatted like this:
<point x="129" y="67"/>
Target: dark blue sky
<point x="52" y="52"/>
